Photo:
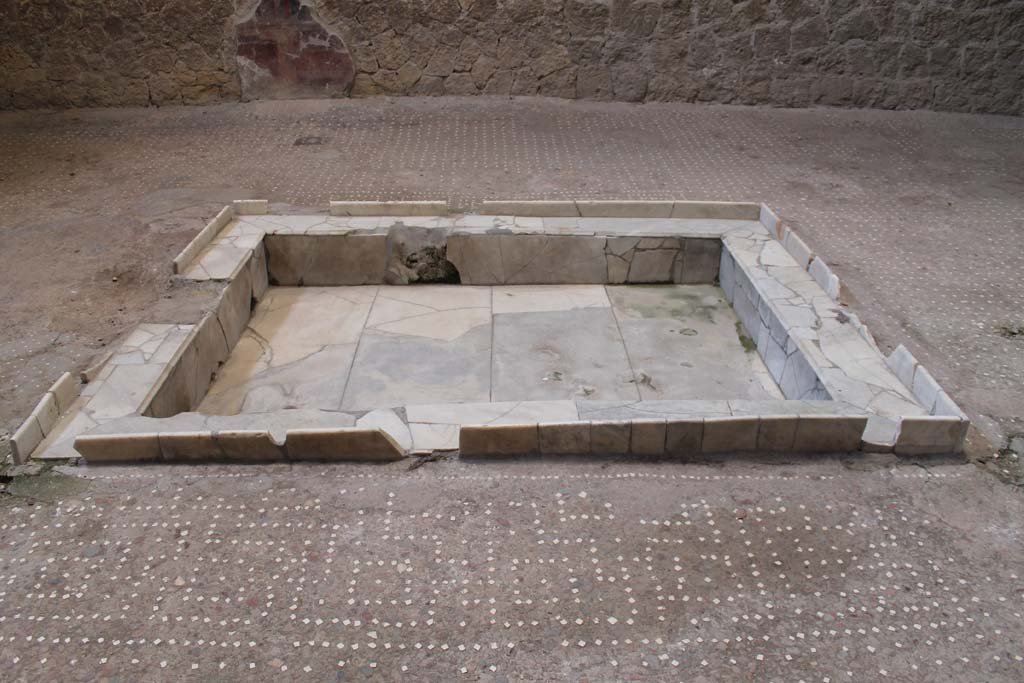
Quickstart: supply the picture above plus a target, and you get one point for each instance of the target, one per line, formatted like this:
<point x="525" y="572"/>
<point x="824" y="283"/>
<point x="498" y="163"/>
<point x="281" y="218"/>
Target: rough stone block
<point x="418" y="254"/>
<point x="109" y="448"/>
<point x="829" y="433"/>
<point x="610" y="438"/>
<point x="511" y="439"/>
<point x="684" y="437"/>
<point x="776" y="432"/>
<point x="564" y="438"/>
<point x="931" y="435"/>
<point x="727" y="434"/>
<point x="647" y="437"/>
<point x="341" y="445"/>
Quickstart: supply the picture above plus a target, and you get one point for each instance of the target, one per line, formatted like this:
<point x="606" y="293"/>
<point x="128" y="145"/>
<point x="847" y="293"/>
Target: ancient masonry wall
<point x="955" y="55"/>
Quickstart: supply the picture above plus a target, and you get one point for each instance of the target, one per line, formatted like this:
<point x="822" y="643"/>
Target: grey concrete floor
<point x="228" y="573"/>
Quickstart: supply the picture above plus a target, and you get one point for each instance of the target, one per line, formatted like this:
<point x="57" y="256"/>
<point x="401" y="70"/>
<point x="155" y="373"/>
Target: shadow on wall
<point x="285" y="51"/>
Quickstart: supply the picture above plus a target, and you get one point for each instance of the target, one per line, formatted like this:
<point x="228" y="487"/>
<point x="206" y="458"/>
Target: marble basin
<point x="650" y="329"/>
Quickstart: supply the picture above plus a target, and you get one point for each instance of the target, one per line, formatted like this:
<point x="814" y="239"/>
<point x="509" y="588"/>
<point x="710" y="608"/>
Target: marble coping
<point x="787" y="298"/>
<point x="324" y="445"/>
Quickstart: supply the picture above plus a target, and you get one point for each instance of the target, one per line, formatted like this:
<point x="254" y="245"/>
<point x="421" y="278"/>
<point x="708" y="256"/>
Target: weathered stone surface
<point x="511" y="439"/>
<point x="326" y="260"/>
<point x="564" y="438"/>
<point x="418" y="255"/>
<point x="610" y="438"/>
<point x="728" y="434"/>
<point x="528" y="259"/>
<point x="839" y="54"/>
<point x="700" y="261"/>
<point x="197" y="446"/>
<point x="248" y="446"/>
<point x="46" y="413"/>
<point x="829" y="433"/>
<point x="25" y="440"/>
<point x="903" y="364"/>
<point x="341" y="445"/>
<point x="642" y="260"/>
<point x="285" y="52"/>
<point x="776" y="432"/>
<point x="258" y="272"/>
<point x="683" y="437"/>
<point x="235" y="306"/>
<point x="103" y="448"/>
<point x="647" y="437"/>
<point x="559" y="353"/>
<point x="931" y="435"/>
<point x="65" y="391"/>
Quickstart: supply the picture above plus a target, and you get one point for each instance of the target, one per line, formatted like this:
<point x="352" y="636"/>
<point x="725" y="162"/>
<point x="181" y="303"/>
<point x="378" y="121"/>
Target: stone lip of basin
<point x="840" y="393"/>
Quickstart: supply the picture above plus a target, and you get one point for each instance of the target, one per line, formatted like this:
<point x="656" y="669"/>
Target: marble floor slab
<point x="295" y="353"/>
<point x="560" y="355"/>
<point x="359" y="349"/>
<point x="685" y="342"/>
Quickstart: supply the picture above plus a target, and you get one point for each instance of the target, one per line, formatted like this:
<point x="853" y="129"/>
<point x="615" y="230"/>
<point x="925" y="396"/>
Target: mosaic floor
<point x="215" y="573"/>
<point x="360" y="348"/>
<point x="530" y="571"/>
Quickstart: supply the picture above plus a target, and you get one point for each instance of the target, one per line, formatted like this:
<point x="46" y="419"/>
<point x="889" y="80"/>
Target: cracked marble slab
<point x="423" y="343"/>
<point x="295" y="352"/>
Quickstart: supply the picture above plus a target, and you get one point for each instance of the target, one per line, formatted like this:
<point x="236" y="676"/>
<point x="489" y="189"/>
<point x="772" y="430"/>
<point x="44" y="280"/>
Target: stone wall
<point x="86" y="53"/>
<point x="958" y="55"/>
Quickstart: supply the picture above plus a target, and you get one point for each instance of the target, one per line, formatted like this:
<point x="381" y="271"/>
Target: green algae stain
<point x="748" y="344"/>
